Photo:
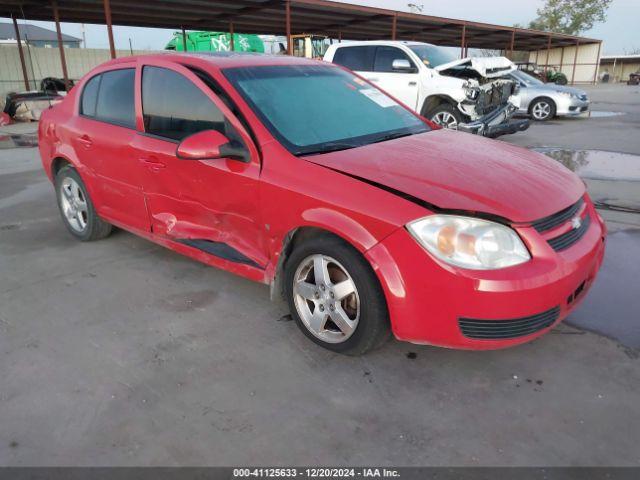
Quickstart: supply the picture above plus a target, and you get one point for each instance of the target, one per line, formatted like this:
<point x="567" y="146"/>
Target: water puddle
<point x="602" y="113"/>
<point x="21" y="140"/>
<point x="613" y="179"/>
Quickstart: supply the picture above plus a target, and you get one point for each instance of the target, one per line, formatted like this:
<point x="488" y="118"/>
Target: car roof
<point x="380" y="42"/>
<point x="218" y="60"/>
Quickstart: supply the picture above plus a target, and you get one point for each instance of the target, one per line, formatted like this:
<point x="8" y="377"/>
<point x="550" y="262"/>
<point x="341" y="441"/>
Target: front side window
<point x="315" y="109"/>
<point x="385" y="57"/>
<point x="174" y="108"/>
<point x="116" y="99"/>
<point x="358" y="59"/>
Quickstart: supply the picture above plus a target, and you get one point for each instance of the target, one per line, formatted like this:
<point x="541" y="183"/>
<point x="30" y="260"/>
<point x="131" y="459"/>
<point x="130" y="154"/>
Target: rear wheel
<point x="445" y="115"/>
<point x="542" y="109"/>
<point x="76" y="208"/>
<point x="334" y="296"/>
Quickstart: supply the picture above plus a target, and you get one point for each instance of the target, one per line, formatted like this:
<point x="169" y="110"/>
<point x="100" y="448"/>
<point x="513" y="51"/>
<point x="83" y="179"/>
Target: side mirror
<point x="402" y="65"/>
<point x="210" y="144"/>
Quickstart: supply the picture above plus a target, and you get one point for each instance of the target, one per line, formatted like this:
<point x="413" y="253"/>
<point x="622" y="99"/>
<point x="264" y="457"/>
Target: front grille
<point x="565" y="240"/>
<point x="512" y="328"/>
<point x="494" y="96"/>
<point x="552" y="221"/>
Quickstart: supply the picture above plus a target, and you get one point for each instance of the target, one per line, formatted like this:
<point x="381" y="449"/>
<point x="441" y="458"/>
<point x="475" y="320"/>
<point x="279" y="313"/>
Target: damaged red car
<point x="299" y="174"/>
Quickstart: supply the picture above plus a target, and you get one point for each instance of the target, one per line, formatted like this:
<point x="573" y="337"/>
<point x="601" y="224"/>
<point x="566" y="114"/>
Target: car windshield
<point x="315" y="109"/>
<point x="526" y="78"/>
<point x="433" y="56"/>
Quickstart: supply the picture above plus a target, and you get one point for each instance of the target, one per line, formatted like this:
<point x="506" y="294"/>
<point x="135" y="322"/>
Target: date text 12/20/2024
<point x="315" y="473"/>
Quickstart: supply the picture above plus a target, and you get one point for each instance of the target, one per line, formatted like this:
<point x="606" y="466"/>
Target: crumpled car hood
<point x="458" y="171"/>
<point x="488" y="67"/>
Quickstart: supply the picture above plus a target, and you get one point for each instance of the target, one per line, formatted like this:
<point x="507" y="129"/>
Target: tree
<point x="570" y="16"/>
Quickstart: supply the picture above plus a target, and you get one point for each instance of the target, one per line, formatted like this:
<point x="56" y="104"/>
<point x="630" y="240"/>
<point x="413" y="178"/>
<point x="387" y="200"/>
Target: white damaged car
<point x="470" y="94"/>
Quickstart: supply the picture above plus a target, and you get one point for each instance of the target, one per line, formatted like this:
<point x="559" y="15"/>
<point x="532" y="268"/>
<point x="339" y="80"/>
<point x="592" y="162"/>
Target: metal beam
<point x="464" y="39"/>
<point x="595" y="74"/>
<point x="512" y="44"/>
<point x="231" y="42"/>
<point x="575" y="60"/>
<point x="394" y="27"/>
<point x="107" y="16"/>
<point x="184" y="39"/>
<point x="287" y="19"/>
<point x="25" y="76"/>
<point x="63" y="61"/>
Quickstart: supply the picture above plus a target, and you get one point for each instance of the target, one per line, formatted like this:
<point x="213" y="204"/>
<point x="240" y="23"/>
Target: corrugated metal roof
<point x="334" y="19"/>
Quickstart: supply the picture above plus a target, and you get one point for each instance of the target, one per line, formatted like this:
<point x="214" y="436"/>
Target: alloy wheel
<point x="326" y="298"/>
<point x="541" y="110"/>
<point x="446" y="120"/>
<point x="74" y="204"/>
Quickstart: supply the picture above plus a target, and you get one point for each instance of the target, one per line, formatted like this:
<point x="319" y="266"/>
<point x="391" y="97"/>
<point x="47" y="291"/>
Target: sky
<point x="619" y="32"/>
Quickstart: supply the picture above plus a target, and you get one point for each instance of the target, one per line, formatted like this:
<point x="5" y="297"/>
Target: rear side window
<point x="359" y="59"/>
<point x="116" y="98"/>
<point x="385" y="57"/>
<point x="175" y="108"/>
<point x="90" y="96"/>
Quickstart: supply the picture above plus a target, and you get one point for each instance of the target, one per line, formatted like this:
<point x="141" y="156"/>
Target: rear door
<point x="102" y="136"/>
<point x="211" y="205"/>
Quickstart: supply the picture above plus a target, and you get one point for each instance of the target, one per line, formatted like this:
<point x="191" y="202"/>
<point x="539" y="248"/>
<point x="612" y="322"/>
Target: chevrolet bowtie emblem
<point x="576" y="222"/>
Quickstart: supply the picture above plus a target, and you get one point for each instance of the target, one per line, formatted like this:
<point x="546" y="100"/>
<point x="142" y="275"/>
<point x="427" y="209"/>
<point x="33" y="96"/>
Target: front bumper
<point x="571" y="107"/>
<point x="496" y="123"/>
<point x="427" y="299"/>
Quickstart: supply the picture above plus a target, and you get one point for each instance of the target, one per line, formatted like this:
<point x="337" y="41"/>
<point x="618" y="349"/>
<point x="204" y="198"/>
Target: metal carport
<point x="287" y="17"/>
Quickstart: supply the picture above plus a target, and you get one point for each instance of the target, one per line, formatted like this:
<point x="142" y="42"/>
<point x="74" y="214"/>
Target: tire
<point x="441" y="113"/>
<point x="343" y="264"/>
<point x="542" y="109"/>
<point x="561" y="80"/>
<point x="85" y="224"/>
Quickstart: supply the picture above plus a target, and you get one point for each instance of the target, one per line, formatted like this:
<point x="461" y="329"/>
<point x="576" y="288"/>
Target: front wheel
<point x="542" y="109"/>
<point x="445" y="115"/>
<point x="335" y="297"/>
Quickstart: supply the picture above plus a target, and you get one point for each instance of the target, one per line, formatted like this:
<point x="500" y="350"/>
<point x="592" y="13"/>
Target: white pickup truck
<point x="471" y="94"/>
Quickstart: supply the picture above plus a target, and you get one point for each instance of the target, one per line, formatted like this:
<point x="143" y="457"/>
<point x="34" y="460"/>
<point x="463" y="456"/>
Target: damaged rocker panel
<point x="220" y="250"/>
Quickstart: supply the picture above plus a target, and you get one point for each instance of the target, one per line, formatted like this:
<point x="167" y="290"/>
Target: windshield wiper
<point x="327" y="147"/>
<point x="392" y="136"/>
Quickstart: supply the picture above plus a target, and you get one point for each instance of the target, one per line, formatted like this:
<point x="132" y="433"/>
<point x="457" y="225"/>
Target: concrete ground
<point x="121" y="352"/>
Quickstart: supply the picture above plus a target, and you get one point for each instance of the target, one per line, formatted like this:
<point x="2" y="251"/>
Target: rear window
<point x="90" y="96"/>
<point x="359" y="59"/>
<point x="116" y="102"/>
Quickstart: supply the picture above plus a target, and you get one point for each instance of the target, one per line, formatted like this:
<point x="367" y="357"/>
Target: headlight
<point x="568" y="94"/>
<point x="469" y="242"/>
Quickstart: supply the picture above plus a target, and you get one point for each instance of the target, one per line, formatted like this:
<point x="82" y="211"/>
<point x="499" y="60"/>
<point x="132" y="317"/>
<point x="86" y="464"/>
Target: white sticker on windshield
<point x="378" y="97"/>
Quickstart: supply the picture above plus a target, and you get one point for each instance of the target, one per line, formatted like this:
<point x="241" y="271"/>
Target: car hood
<point x="488" y="67"/>
<point x="459" y="171"/>
<point x="550" y="87"/>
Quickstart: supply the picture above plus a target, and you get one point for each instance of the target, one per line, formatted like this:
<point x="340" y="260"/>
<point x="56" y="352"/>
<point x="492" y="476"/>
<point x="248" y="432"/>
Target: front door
<point x="403" y="85"/>
<point x="211" y="205"/>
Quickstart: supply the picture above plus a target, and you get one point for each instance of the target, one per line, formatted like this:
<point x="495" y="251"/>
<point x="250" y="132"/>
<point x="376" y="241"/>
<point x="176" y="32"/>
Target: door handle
<point x="413" y="84"/>
<point x="152" y="163"/>
<point x="85" y="140"/>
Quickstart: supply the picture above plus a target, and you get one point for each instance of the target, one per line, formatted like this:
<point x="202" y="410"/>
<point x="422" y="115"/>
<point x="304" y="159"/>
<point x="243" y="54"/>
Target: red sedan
<point x="304" y="176"/>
